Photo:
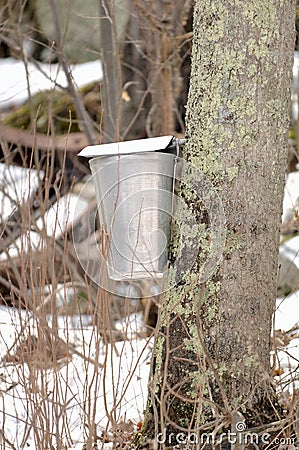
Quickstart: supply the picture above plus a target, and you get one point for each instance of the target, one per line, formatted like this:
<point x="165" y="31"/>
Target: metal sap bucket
<point x="134" y="188"/>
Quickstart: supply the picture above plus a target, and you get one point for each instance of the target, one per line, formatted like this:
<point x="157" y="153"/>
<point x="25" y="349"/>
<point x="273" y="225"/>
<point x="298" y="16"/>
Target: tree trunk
<point x="153" y="56"/>
<point x="111" y="99"/>
<point x="211" y="358"/>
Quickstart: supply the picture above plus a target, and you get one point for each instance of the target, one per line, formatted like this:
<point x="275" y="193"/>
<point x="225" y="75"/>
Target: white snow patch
<point x="18" y="79"/>
<point x="30" y="407"/>
<point x="286" y="315"/>
<point x="17" y="185"/>
<point x="291" y="195"/>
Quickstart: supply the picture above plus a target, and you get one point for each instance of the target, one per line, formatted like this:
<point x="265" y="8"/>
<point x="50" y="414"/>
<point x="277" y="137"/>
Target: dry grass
<point x="65" y="338"/>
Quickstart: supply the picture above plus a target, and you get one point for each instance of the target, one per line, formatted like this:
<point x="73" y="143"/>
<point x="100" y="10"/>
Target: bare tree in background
<point x="164" y="35"/>
<point x="143" y="47"/>
<point x="111" y="95"/>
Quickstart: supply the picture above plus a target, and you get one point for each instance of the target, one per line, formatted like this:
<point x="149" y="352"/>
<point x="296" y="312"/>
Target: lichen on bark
<point x="212" y="352"/>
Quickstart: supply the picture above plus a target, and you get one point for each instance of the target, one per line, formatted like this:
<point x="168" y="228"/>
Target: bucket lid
<point x="127" y="147"/>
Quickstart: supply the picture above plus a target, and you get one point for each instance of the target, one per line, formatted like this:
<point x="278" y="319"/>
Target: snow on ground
<point x="287" y="354"/>
<point x="109" y="379"/>
<point x="284" y="319"/>
<point x="56" y="221"/>
<point x="291" y="197"/>
<point x="16" y="78"/>
<point x="17" y="184"/>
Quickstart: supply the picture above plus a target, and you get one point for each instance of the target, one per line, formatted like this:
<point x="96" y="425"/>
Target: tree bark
<point x="152" y="61"/>
<point x="111" y="98"/>
<point x="211" y="356"/>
